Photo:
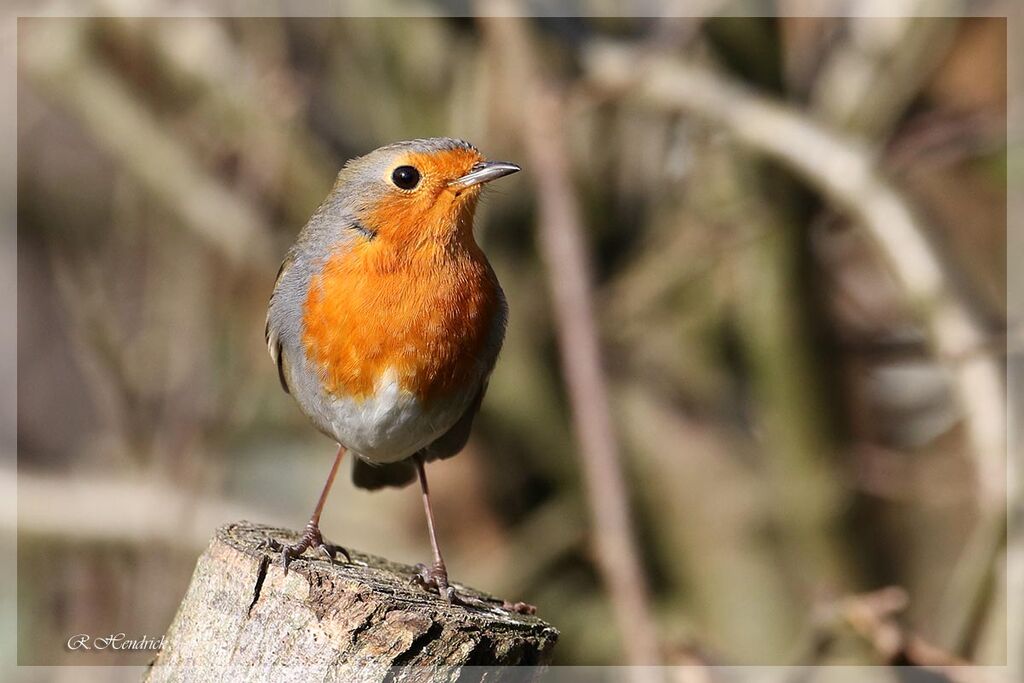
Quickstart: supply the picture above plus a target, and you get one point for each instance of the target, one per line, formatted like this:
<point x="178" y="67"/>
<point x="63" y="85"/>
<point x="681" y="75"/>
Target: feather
<point x="270" y="332"/>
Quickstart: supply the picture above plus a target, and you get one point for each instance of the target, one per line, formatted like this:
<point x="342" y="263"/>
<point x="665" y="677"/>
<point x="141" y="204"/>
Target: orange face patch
<point x="419" y="298"/>
<point x="432" y="214"/>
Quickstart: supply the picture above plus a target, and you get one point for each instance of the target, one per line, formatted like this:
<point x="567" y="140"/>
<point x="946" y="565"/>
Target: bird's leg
<point x="435" y="576"/>
<point x="311" y="537"/>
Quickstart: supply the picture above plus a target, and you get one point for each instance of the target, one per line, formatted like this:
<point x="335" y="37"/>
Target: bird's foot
<point x="435" y="578"/>
<point x="311" y="538"/>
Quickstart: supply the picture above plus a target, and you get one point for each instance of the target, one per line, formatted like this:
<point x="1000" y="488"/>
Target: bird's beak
<point x="484" y="172"/>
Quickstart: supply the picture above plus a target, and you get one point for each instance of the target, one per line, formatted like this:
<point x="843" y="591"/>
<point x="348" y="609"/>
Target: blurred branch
<point x="936" y="140"/>
<point x="794" y="412"/>
<point x="98" y="345"/>
<point x="713" y="550"/>
<point x="198" y="53"/>
<point x="564" y="251"/>
<point x="115" y="510"/>
<point x="875" y="618"/>
<point x="875" y="72"/>
<point x="55" y="55"/>
<point x="847" y="174"/>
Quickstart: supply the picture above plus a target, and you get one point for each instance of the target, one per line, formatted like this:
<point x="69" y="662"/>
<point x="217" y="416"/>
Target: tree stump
<point x="243" y="619"/>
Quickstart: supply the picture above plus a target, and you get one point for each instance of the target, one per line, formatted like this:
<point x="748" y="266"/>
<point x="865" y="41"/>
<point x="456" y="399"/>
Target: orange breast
<point x="426" y="319"/>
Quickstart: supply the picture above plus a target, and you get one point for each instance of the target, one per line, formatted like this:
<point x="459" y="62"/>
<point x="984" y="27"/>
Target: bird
<point x="386" y="320"/>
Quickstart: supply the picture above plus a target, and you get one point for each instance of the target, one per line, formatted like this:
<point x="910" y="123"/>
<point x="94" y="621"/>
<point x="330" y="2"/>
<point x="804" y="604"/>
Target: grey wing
<point x="272" y="331"/>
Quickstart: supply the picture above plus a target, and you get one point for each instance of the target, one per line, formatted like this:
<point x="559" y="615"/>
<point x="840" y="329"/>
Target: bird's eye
<point x="405" y="177"/>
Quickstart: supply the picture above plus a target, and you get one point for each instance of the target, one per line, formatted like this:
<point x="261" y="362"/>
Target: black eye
<point x="405" y="177"/>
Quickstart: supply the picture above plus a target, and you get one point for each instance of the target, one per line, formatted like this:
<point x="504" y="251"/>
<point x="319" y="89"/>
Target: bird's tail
<point x="370" y="476"/>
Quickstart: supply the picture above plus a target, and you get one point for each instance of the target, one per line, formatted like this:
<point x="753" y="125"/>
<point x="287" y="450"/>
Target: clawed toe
<point x="435" y="578"/>
<point x="330" y="551"/>
<point x="311" y="538"/>
<point x="270" y="543"/>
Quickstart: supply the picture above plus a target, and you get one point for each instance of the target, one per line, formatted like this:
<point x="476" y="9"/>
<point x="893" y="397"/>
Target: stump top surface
<point x="327" y="621"/>
<point x="389" y="580"/>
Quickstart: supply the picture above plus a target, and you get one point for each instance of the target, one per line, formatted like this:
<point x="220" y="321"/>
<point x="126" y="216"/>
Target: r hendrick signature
<point x="113" y="641"/>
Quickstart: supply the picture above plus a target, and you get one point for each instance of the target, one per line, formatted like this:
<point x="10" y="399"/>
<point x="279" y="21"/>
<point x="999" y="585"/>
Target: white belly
<point x="389" y="425"/>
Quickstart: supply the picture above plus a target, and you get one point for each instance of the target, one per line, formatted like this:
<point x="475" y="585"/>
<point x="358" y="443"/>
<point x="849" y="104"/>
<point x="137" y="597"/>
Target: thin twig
<point x="873" y="616"/>
<point x="564" y="251"/>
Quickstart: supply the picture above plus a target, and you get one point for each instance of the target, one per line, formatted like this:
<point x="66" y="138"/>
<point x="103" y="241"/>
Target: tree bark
<point x="243" y="619"/>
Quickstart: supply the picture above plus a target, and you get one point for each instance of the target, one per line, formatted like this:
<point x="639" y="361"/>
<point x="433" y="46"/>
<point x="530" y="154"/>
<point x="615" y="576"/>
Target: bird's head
<point x="419" y="192"/>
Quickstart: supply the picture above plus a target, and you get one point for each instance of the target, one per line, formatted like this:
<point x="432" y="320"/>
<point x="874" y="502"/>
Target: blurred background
<point x="791" y="447"/>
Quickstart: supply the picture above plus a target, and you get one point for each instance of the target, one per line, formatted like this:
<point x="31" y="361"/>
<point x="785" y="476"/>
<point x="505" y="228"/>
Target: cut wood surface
<point x="243" y="619"/>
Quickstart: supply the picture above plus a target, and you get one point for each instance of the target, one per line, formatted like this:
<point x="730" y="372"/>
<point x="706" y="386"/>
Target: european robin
<point x="386" y="320"/>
